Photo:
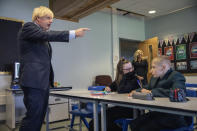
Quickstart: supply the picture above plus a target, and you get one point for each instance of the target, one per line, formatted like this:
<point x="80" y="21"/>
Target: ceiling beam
<point x="76" y="9"/>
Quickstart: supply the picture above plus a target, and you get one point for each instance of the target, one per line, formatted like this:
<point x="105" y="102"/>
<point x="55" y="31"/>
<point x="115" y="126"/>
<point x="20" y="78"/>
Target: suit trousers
<point x="36" y="102"/>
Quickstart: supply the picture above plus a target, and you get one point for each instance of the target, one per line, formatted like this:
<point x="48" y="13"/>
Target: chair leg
<point x="72" y="121"/>
<point x="85" y="122"/>
<point x="124" y="126"/>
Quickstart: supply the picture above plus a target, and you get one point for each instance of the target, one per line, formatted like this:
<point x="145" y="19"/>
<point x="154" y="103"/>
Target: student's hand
<point x="131" y="93"/>
<point x="81" y="31"/>
<point x="107" y="88"/>
<point x="140" y="78"/>
<point x="145" y="91"/>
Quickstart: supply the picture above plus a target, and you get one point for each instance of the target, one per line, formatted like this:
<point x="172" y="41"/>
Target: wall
<point x="128" y="48"/>
<point x="126" y="27"/>
<point x="132" y="28"/>
<point x="173" y="24"/>
<point x="77" y="63"/>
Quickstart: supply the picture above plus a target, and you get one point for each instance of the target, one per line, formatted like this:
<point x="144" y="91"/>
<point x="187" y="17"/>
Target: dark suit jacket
<point x="161" y="87"/>
<point x="35" y="55"/>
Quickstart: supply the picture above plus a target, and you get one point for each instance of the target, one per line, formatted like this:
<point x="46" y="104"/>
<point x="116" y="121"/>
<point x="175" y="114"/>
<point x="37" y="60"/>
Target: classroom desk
<point x="84" y="96"/>
<point x="159" y="104"/>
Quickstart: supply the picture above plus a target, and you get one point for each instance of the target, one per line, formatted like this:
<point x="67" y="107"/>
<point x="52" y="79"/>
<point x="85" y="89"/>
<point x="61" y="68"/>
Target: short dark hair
<point x="162" y="60"/>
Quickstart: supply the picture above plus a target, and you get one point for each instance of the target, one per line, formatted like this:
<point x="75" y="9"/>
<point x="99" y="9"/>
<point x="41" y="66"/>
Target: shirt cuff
<point x="71" y="34"/>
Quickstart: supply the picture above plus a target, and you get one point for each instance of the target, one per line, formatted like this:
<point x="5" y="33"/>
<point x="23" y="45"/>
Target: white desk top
<point x="159" y="104"/>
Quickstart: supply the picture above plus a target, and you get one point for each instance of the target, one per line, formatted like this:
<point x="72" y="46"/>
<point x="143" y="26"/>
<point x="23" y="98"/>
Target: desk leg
<point x="95" y="107"/>
<point x="135" y="113"/>
<point x="103" y="117"/>
<point x="80" y="121"/>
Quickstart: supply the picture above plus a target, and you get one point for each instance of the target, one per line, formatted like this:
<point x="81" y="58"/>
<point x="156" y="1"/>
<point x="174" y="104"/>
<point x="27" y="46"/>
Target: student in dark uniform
<point x="36" y="74"/>
<point x="125" y="82"/>
<point x="140" y="66"/>
<point x="163" y="79"/>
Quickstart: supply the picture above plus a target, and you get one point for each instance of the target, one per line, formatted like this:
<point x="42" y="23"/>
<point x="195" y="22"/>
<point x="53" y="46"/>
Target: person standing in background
<point x="140" y="66"/>
<point x="36" y="73"/>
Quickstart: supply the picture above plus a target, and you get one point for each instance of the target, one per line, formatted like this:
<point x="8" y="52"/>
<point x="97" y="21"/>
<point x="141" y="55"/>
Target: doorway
<point x="128" y="48"/>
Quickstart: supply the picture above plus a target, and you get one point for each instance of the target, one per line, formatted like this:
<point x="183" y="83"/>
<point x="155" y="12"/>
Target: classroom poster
<point x="193" y="64"/>
<point x="172" y="66"/>
<point x="193" y="50"/>
<point x="168" y="51"/>
<point x="181" y="65"/>
<point x="159" y="52"/>
<point x="180" y="52"/>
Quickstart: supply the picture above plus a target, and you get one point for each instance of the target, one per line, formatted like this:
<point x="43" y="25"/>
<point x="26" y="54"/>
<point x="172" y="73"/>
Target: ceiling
<point x="162" y="7"/>
<point x="74" y="10"/>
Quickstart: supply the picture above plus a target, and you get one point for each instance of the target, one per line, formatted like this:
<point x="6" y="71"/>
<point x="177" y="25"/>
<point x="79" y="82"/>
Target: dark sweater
<point x="161" y="87"/>
<point x="127" y="84"/>
<point x="141" y="69"/>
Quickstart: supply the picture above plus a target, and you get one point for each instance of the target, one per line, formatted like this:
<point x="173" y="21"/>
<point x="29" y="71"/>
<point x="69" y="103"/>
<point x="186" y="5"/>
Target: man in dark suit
<point x="36" y="75"/>
<point x="163" y="79"/>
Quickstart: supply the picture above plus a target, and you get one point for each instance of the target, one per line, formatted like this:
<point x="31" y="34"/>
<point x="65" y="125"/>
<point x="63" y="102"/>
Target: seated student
<point x="163" y="78"/>
<point x="125" y="82"/>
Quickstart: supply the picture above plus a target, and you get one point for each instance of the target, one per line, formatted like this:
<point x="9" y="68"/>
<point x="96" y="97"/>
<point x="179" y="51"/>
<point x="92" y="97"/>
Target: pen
<point x="139" y="83"/>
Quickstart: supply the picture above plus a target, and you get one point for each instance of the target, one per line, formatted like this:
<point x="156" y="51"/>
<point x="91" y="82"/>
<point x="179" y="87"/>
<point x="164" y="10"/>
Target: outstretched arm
<point x="81" y="31"/>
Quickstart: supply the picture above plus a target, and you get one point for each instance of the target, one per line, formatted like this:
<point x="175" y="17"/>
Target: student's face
<point x="127" y="68"/>
<point x="45" y="22"/>
<point x="157" y="70"/>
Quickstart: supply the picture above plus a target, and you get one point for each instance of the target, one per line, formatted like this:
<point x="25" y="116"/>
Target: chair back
<point x="190" y="85"/>
<point x="103" y="80"/>
<point x="191" y="90"/>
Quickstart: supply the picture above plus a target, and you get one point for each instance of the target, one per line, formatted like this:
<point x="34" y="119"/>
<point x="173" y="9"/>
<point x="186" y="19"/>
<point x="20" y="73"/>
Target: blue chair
<point x="86" y="112"/>
<point x="83" y="113"/>
<point x="190" y="85"/>
<point x="124" y="123"/>
<point x="191" y="93"/>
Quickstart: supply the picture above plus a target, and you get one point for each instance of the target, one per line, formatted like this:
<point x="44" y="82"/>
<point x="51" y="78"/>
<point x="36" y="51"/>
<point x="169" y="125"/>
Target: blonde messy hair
<point x="41" y="11"/>
<point x="137" y="52"/>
